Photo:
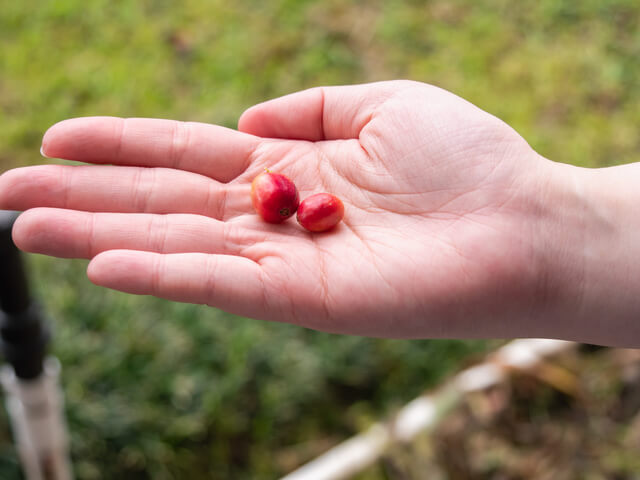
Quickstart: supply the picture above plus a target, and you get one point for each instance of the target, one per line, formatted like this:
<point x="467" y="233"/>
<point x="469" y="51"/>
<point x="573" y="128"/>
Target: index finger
<point x="217" y="152"/>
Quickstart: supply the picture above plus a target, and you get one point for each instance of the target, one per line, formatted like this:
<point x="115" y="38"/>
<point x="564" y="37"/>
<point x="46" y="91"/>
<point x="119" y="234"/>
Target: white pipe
<point x="347" y="459"/>
<point x="35" y="410"/>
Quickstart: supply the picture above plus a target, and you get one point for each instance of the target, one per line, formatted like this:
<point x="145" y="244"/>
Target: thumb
<point x="320" y="113"/>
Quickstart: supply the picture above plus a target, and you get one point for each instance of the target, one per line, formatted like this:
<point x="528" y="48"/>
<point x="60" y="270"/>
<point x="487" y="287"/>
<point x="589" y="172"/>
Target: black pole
<point x="23" y="332"/>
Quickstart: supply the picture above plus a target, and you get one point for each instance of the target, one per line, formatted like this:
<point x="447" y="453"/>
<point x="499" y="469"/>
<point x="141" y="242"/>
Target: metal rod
<point x="14" y="289"/>
<point x="23" y="332"/>
<point x="33" y="397"/>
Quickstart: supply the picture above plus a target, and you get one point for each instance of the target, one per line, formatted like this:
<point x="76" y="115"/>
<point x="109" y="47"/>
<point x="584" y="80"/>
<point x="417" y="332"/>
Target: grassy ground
<point x="162" y="390"/>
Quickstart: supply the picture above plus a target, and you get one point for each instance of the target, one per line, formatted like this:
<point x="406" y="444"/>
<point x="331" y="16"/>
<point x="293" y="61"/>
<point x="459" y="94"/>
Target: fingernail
<point x="42" y="152"/>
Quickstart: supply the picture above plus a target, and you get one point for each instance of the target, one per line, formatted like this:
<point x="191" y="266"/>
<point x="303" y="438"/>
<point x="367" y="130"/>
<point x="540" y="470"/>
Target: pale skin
<point x="454" y="227"/>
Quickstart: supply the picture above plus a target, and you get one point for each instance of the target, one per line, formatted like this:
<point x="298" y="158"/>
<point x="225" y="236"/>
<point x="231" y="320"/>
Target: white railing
<point x="425" y="412"/>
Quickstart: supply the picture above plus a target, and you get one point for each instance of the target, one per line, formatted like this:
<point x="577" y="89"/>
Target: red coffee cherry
<point x="320" y="212"/>
<point x="274" y="197"/>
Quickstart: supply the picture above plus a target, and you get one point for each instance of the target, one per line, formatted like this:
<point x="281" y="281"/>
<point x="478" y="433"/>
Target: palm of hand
<point x="432" y="197"/>
<point x="429" y="231"/>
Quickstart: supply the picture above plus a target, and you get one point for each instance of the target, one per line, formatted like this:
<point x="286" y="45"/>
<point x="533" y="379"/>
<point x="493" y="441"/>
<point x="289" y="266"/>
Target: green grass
<point x="162" y="390"/>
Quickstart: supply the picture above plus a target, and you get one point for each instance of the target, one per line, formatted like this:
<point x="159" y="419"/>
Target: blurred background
<point x="162" y="390"/>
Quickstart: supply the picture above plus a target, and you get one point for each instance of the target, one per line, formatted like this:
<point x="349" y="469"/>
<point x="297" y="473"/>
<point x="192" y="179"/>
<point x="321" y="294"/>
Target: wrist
<point x="591" y="242"/>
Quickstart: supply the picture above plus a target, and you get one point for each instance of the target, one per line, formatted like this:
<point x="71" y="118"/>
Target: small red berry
<point x="274" y="197"/>
<point x="320" y="212"/>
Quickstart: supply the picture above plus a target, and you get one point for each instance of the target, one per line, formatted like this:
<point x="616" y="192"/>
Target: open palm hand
<point x="434" y="242"/>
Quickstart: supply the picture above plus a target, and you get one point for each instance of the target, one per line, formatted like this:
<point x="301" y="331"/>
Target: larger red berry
<point x="274" y="197"/>
<point x="320" y="212"/>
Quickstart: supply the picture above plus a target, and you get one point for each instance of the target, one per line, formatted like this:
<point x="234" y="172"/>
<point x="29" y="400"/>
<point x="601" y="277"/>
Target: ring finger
<point x="122" y="189"/>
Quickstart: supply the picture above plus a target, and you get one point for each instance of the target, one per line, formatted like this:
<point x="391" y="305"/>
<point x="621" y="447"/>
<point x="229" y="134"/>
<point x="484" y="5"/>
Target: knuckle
<point x="179" y="142"/>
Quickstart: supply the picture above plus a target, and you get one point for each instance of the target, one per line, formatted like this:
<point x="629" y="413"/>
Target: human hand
<point x="440" y="236"/>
